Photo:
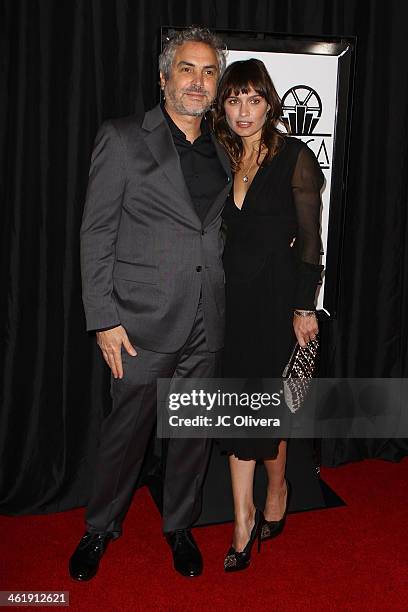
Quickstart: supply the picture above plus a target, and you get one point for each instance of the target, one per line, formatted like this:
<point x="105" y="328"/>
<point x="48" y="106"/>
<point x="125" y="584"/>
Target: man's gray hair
<point x="192" y="34"/>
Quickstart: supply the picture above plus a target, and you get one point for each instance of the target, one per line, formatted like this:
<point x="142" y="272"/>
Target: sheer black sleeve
<point x="307" y="182"/>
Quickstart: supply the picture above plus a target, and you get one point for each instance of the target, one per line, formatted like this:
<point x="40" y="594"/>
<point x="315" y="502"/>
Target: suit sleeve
<point x="99" y="229"/>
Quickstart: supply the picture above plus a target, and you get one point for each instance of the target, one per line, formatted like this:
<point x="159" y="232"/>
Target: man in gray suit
<point x="153" y="288"/>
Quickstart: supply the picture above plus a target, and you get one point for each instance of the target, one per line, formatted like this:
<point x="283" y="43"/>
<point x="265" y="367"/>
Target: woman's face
<point x="246" y="113"/>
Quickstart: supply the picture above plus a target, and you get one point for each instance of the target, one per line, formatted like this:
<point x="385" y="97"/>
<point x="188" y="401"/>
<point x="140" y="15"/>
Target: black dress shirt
<point x="201" y="167"/>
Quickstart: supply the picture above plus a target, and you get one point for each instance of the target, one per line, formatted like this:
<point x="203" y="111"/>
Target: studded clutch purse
<point x="298" y="373"/>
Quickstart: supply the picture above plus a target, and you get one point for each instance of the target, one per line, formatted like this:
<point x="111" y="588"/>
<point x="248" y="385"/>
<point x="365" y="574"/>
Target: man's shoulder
<point x="136" y="121"/>
<point x="125" y="124"/>
<point x="120" y="129"/>
<point x="131" y="130"/>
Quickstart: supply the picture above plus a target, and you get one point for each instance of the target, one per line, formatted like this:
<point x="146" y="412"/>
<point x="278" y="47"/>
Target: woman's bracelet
<point x="304" y="313"/>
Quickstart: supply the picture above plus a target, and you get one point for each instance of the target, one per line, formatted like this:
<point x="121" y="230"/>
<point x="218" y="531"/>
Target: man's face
<point x="192" y="85"/>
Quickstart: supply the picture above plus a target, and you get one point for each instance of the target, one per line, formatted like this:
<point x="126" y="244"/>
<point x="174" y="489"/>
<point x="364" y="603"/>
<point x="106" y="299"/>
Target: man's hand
<point x="306" y="328"/>
<point x="110" y="342"/>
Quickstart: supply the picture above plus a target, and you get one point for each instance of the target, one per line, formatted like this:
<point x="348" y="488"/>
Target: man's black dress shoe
<point x="187" y="558"/>
<point x="84" y="563"/>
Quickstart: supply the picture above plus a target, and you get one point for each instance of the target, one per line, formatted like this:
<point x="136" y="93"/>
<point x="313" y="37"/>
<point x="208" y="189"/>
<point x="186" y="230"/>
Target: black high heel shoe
<point x="236" y="561"/>
<point x="271" y="529"/>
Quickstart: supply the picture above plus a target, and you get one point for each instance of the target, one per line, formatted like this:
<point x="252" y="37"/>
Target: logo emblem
<point x="302" y="108"/>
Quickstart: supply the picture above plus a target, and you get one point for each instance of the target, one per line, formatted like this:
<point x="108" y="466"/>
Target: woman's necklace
<point x="245" y="177"/>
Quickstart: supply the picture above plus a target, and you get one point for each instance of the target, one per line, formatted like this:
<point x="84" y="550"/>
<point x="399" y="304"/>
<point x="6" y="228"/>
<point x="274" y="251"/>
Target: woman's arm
<point x="307" y="182"/>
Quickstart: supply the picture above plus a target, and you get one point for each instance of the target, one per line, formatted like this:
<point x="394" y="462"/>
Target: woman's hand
<point x="306" y="328"/>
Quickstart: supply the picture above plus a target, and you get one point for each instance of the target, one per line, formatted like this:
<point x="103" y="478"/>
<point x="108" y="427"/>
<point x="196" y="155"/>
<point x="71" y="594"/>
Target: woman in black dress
<point x="272" y="270"/>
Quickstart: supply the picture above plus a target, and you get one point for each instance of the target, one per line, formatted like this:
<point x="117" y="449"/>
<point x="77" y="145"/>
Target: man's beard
<point x="177" y="102"/>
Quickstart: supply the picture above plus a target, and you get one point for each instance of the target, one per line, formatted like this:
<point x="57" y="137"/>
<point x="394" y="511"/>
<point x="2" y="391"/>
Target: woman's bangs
<point x="244" y="76"/>
<point x="243" y="87"/>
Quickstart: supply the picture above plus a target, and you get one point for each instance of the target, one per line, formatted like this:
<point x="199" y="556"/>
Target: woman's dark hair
<point x="238" y="78"/>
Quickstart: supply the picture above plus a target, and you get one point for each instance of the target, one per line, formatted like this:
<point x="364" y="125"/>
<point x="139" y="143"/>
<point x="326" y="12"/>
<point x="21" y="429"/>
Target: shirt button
<point x="199" y="268"/>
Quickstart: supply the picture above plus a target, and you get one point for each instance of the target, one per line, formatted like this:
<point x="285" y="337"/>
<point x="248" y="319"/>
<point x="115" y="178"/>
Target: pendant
<point x="245" y="178"/>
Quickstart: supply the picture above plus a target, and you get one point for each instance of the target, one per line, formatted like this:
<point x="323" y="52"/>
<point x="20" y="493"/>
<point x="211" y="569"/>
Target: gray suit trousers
<point x="126" y="432"/>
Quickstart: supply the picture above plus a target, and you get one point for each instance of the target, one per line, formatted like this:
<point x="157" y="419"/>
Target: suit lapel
<point x="222" y="156"/>
<point x="160" y="143"/>
<point x="222" y="196"/>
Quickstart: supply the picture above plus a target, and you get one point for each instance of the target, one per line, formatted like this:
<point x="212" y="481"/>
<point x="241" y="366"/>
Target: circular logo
<point x="302" y="108"/>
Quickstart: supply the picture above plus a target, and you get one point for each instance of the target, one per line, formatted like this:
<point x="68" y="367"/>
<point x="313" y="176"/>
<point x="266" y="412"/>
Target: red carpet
<point x="346" y="558"/>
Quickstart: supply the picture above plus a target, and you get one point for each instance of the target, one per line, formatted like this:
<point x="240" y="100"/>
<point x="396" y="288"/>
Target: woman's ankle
<point x="245" y="517"/>
<point x="275" y="503"/>
<point x="277" y="490"/>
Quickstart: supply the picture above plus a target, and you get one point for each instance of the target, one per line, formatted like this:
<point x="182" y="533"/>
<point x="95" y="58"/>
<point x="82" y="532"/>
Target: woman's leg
<point x="276" y="497"/>
<point x="242" y="478"/>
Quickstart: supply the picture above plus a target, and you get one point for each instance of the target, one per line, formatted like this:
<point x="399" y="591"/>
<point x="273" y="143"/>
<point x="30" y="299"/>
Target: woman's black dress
<point x="266" y="277"/>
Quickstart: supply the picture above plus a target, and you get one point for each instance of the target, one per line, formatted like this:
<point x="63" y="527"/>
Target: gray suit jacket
<point x="145" y="254"/>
